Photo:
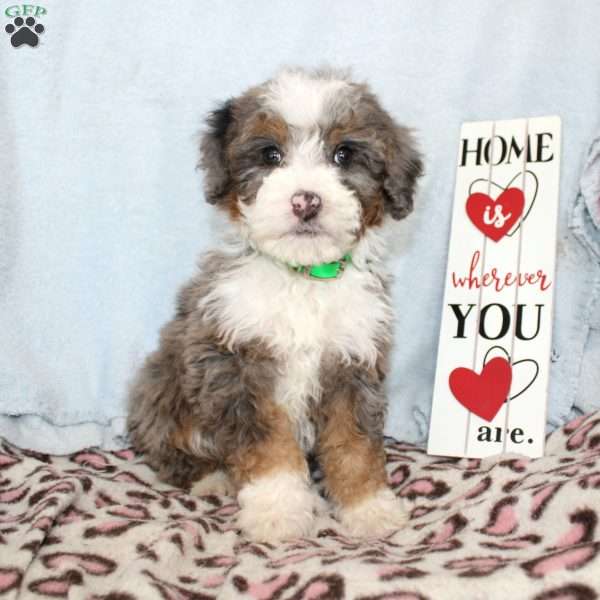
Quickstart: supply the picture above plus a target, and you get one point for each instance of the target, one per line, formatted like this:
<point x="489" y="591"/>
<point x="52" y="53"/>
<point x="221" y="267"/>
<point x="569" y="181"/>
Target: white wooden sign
<point x="494" y="353"/>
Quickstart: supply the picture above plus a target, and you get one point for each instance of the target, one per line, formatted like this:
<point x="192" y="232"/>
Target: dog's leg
<point x="354" y="467"/>
<point x="275" y="497"/>
<point x="210" y="477"/>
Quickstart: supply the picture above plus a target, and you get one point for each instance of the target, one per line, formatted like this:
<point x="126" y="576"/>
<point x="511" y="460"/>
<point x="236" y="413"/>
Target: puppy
<point x="279" y="344"/>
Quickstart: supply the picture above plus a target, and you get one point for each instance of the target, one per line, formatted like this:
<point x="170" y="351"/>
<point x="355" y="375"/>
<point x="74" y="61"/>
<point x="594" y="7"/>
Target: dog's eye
<point x="342" y="156"/>
<point x="271" y="155"/>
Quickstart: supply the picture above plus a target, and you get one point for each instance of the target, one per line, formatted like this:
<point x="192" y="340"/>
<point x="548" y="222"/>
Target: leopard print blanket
<point x="97" y="525"/>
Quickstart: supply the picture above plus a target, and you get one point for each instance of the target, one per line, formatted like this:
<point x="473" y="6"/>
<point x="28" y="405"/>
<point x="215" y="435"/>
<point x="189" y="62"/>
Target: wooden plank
<point x="497" y="307"/>
<point x="447" y="414"/>
<point x="527" y="412"/>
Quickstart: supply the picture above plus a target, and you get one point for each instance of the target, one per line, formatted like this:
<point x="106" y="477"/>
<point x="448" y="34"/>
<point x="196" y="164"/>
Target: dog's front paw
<point x="278" y="506"/>
<point x="217" y="482"/>
<point x="377" y="515"/>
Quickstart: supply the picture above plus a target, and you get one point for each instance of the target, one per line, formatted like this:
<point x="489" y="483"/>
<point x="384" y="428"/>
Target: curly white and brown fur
<point x="260" y="365"/>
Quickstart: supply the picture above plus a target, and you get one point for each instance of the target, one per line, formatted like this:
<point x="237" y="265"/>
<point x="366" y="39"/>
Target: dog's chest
<point x="300" y="319"/>
<point x="302" y="322"/>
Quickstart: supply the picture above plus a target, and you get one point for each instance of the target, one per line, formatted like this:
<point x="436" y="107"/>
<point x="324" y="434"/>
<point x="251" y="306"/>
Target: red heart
<point x="482" y="394"/>
<point x="484" y="212"/>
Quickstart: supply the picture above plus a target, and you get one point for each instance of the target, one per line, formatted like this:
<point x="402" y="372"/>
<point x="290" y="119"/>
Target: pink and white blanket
<point x="97" y="525"/>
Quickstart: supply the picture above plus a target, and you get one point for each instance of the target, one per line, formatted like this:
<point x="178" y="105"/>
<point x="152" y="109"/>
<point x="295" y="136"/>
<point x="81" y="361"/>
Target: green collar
<point x="331" y="270"/>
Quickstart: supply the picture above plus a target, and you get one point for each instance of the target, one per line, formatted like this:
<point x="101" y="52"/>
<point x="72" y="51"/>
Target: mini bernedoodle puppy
<point x="279" y="345"/>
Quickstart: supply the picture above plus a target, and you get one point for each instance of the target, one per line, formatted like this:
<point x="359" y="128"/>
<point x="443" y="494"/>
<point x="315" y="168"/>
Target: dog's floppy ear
<point x="213" y="162"/>
<point x="403" y="166"/>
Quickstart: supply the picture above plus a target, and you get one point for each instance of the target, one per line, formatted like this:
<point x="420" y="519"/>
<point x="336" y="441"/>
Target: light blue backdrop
<point x="101" y="210"/>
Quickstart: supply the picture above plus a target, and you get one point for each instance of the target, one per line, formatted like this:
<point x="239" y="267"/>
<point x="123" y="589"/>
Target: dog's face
<point x="306" y="163"/>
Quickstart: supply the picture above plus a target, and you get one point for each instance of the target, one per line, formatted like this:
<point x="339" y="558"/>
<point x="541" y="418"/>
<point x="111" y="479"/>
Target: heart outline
<point x="514" y="364"/>
<point x="529" y="197"/>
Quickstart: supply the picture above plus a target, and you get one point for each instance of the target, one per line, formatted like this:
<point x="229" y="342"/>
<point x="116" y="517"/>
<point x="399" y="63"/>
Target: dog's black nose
<point x="306" y="205"/>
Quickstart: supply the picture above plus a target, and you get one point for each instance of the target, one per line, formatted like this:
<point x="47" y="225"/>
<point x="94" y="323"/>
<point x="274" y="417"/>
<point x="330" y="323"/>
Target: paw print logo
<point x="24" y="32"/>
